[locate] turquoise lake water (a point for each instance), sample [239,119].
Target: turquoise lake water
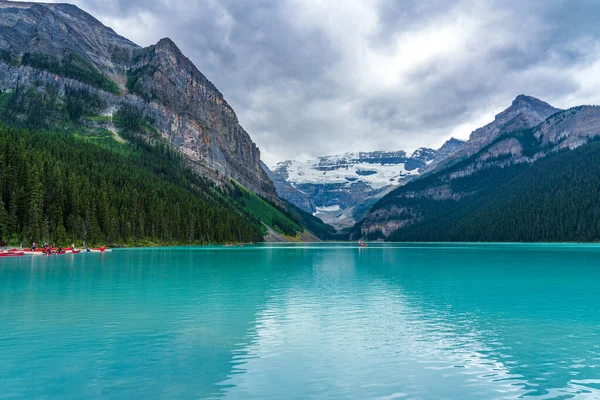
[325,321]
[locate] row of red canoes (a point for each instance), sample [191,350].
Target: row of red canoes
[53,251]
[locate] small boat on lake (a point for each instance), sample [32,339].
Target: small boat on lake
[102,249]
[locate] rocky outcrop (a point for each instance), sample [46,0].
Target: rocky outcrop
[183,105]
[204,126]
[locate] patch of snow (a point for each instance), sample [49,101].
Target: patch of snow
[345,170]
[328,209]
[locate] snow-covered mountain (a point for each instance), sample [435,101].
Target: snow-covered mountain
[339,189]
[377,169]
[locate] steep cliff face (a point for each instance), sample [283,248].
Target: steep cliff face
[506,152]
[183,105]
[206,128]
[340,189]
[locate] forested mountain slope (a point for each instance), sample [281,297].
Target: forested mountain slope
[68,172]
[60,45]
[450,202]
[524,112]
[557,199]
[106,142]
[75,187]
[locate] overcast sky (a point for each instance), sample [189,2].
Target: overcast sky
[317,77]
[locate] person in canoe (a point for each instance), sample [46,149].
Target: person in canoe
[34,246]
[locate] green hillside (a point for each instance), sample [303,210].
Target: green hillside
[267,212]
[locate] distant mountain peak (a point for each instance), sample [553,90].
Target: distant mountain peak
[528,105]
[523,98]
[531,102]
[523,113]
[424,152]
[167,43]
[453,142]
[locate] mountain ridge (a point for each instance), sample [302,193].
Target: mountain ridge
[524,112]
[66,77]
[500,156]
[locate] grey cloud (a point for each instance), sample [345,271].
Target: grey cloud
[313,78]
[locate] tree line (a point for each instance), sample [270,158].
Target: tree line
[58,188]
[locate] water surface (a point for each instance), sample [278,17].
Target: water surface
[326,321]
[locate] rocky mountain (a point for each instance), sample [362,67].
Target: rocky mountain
[339,189]
[58,28]
[496,158]
[524,112]
[63,46]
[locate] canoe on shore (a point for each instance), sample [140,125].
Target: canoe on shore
[53,251]
[12,254]
[41,253]
[42,250]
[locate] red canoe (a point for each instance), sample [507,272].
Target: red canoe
[12,254]
[98,249]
